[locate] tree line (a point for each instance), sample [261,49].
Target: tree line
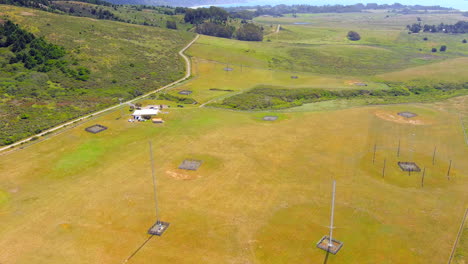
[460,27]
[215,21]
[280,10]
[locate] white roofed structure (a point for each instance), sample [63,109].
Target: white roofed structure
[145,113]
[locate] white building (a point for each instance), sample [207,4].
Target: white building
[144,114]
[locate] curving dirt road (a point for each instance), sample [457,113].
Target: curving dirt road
[187,75]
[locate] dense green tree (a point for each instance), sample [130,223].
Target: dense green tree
[443,48]
[214,29]
[250,32]
[171,24]
[415,28]
[460,27]
[213,14]
[353,35]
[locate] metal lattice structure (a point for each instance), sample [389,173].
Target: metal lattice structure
[327,243]
[159,227]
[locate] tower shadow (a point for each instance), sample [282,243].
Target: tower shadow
[326,258]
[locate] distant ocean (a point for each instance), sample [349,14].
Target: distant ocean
[458,4]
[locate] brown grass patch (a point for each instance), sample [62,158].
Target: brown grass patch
[394,117]
[65,226]
[27,14]
[182,176]
[353,82]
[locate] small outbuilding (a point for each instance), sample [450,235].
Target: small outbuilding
[144,114]
[157,120]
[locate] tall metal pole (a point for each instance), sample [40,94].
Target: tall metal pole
[433,155]
[330,241]
[448,172]
[422,179]
[398,151]
[154,183]
[383,170]
[375,149]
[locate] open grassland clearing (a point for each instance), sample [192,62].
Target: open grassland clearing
[453,70]
[87,198]
[212,81]
[326,50]
[393,21]
[386,54]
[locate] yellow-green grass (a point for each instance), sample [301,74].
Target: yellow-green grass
[454,70]
[341,58]
[262,194]
[211,75]
[375,29]
[363,20]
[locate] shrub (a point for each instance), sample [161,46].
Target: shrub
[171,24]
[443,48]
[353,36]
[434,50]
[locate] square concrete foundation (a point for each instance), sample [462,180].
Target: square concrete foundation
[158,228]
[334,248]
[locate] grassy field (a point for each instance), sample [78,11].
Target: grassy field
[211,75]
[321,47]
[87,198]
[262,194]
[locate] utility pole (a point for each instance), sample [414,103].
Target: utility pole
[398,151]
[375,149]
[327,243]
[383,170]
[330,240]
[448,172]
[154,183]
[160,226]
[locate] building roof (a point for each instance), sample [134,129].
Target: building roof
[145,112]
[152,107]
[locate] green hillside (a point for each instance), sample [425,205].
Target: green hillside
[124,61]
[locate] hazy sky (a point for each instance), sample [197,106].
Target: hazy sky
[459,4]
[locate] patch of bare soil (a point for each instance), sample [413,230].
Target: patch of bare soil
[394,117]
[182,176]
[27,14]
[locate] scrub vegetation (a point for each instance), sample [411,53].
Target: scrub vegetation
[75,65]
